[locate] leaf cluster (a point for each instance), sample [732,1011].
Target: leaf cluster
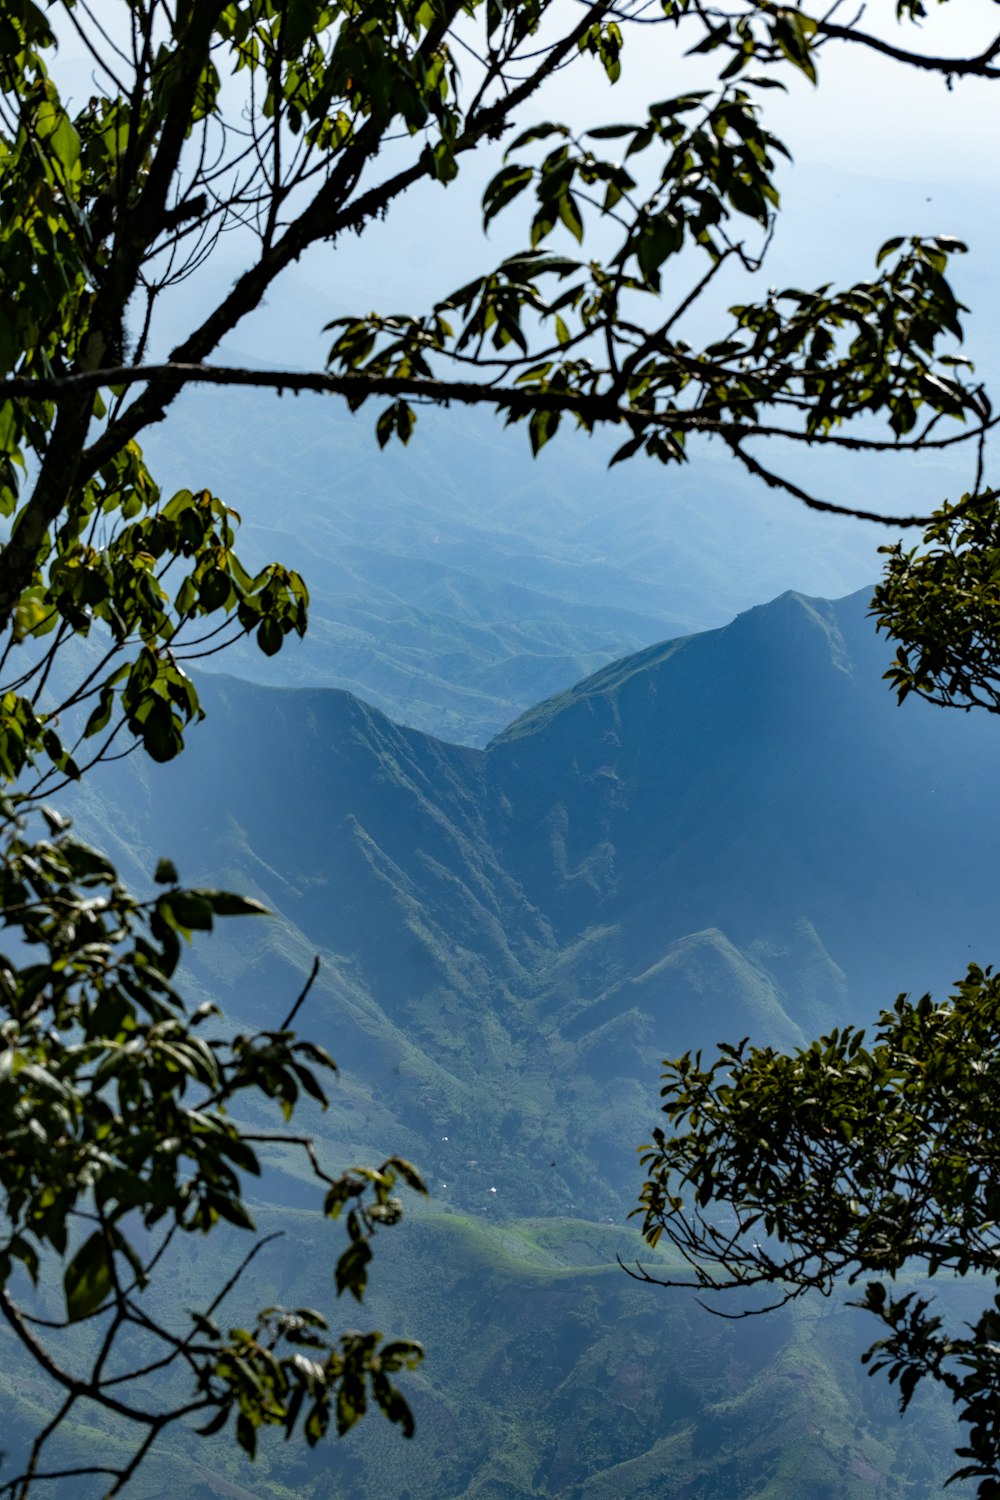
[940,603]
[159,583]
[844,1159]
[315,1381]
[117,1133]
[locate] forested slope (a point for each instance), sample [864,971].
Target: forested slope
[737,832]
[734,833]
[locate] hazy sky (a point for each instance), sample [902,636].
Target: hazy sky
[879,149]
[900,128]
[927,156]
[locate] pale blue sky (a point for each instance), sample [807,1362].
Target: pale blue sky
[879,149]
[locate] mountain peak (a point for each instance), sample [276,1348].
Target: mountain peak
[788,627]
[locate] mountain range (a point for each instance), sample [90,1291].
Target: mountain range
[457,583]
[736,832]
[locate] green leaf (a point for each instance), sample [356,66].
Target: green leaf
[88,1278]
[408,1172]
[503,189]
[187,909]
[537,133]
[542,426]
[611,132]
[246,1434]
[889,248]
[270,636]
[215,1424]
[231,1208]
[627,450]
[226,904]
[352,1269]
[569,213]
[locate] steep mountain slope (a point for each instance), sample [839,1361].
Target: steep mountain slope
[737,832]
[548,1374]
[748,779]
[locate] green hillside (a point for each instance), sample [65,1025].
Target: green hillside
[734,833]
[739,833]
[549,1373]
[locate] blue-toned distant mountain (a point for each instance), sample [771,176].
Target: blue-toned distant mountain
[457,582]
[734,832]
[737,832]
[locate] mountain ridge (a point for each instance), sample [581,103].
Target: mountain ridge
[731,833]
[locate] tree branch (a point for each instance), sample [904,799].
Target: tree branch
[519,401]
[62,1377]
[325,218]
[979,66]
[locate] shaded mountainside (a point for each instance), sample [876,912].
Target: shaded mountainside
[753,778]
[736,832]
